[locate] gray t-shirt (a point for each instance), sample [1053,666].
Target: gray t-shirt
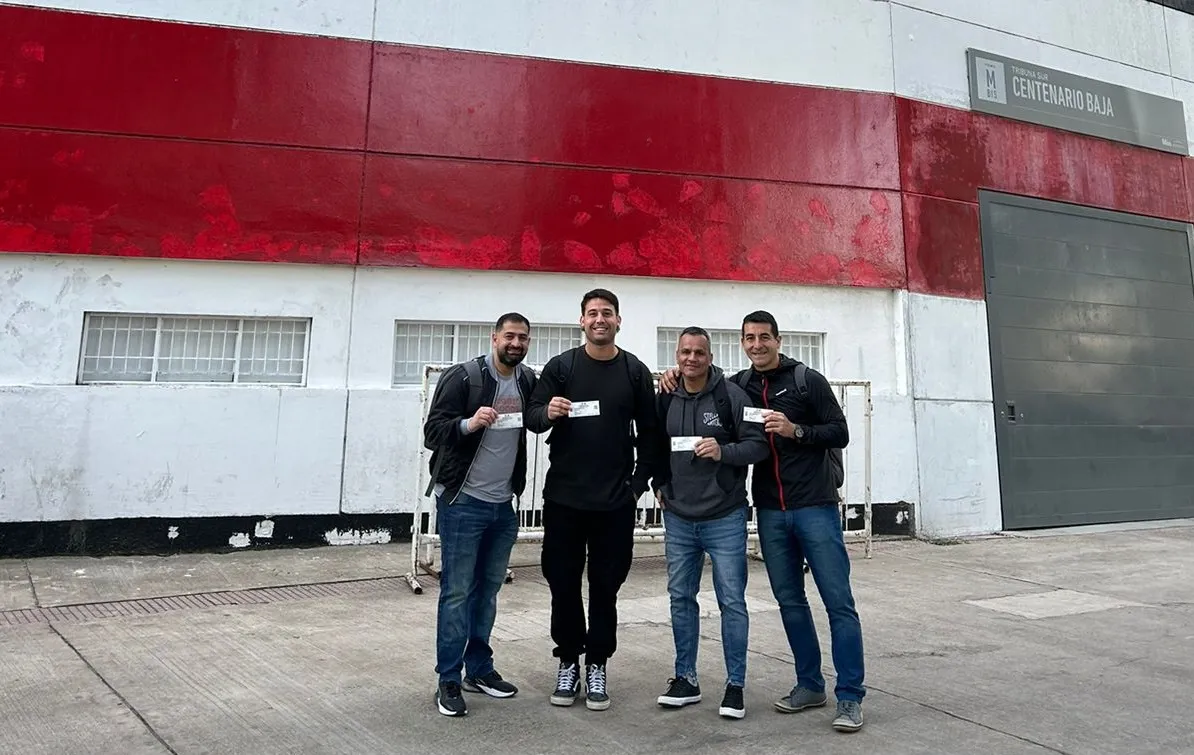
[489,478]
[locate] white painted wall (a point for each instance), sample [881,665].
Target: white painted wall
[383,423]
[955,431]
[327,18]
[70,451]
[1128,42]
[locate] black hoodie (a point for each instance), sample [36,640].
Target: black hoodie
[797,472]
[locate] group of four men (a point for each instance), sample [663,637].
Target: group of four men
[611,439]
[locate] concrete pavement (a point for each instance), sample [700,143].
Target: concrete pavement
[1081,643]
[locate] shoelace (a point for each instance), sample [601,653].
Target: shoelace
[566,678]
[596,680]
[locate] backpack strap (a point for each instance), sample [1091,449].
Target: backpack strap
[476,384]
[836,461]
[725,410]
[742,378]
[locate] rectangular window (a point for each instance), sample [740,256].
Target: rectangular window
[119,348]
[726,346]
[417,344]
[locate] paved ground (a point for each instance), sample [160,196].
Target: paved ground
[1082,643]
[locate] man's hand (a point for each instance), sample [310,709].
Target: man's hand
[669,380]
[776,422]
[484,417]
[708,449]
[659,499]
[558,407]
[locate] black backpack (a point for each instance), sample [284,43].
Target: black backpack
[476,385]
[721,399]
[800,376]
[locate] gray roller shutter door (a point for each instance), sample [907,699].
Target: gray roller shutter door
[1091,322]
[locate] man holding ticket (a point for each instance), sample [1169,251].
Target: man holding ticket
[703,494]
[796,500]
[479,464]
[592,398]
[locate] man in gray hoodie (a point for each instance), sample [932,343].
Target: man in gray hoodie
[703,495]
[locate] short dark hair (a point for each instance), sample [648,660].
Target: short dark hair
[511,317]
[693,330]
[764,317]
[599,293]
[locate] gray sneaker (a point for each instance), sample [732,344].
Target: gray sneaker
[799,699]
[849,716]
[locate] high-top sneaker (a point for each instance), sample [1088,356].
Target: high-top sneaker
[567,684]
[597,698]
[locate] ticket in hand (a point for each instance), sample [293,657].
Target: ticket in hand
[585,409]
[754,414]
[511,421]
[685,443]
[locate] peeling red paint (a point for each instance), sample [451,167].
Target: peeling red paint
[719,233]
[689,190]
[33,51]
[607,183]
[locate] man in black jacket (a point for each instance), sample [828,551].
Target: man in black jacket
[796,500]
[475,427]
[592,398]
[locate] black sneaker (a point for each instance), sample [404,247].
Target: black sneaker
[680,692]
[567,684]
[732,705]
[597,698]
[449,700]
[491,684]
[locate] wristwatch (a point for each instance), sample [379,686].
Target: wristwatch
[798,432]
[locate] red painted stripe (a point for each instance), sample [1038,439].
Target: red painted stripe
[131,196]
[441,213]
[442,102]
[943,247]
[952,153]
[491,162]
[119,75]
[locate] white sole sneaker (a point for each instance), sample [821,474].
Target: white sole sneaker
[563,701]
[477,687]
[731,712]
[677,702]
[594,705]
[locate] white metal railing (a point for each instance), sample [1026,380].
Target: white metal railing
[853,395]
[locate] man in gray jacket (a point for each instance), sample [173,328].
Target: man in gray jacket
[703,495]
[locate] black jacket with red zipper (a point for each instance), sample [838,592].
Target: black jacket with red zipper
[796,472]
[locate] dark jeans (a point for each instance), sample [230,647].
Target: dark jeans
[475,542]
[609,538]
[814,534]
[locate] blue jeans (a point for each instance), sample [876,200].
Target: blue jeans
[475,542]
[814,534]
[685,544]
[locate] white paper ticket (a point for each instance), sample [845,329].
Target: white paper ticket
[754,414]
[685,443]
[585,409]
[510,421]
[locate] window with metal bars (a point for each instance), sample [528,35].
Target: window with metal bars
[726,346]
[124,348]
[417,344]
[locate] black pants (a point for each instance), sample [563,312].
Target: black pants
[608,537]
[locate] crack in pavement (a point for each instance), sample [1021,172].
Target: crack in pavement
[120,697]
